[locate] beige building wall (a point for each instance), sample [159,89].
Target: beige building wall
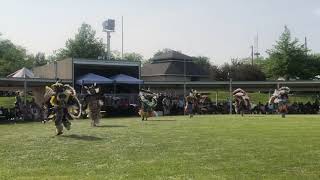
[61,69]
[46,71]
[65,69]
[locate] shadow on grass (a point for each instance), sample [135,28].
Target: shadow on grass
[5,122]
[82,137]
[162,120]
[111,126]
[15,122]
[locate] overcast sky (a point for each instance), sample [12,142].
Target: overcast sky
[221,30]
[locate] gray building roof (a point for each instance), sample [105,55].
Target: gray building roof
[172,64]
[171,55]
[172,68]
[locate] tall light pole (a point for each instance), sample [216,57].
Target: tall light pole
[256,47]
[108,27]
[25,90]
[122,37]
[108,45]
[252,53]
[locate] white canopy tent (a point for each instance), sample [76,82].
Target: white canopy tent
[23,73]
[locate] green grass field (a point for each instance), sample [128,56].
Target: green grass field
[7,102]
[205,147]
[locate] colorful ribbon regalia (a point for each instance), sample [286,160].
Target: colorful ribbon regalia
[191,102]
[64,105]
[148,103]
[94,103]
[280,100]
[242,101]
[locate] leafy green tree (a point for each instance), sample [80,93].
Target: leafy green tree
[133,57]
[202,60]
[214,73]
[241,71]
[311,67]
[85,44]
[287,58]
[59,54]
[207,66]
[12,58]
[39,59]
[116,56]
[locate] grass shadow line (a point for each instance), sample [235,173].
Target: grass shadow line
[82,137]
[162,120]
[111,126]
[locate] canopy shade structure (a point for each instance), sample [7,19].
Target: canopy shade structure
[25,74]
[22,73]
[125,79]
[93,78]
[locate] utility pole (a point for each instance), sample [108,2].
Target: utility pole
[306,43]
[122,37]
[256,46]
[252,55]
[184,84]
[230,91]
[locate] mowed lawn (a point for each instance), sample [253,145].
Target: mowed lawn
[205,147]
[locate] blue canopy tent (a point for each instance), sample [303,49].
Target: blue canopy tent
[125,79]
[93,78]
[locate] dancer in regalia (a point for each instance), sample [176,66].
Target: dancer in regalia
[65,105]
[280,100]
[191,103]
[242,101]
[93,103]
[148,103]
[166,105]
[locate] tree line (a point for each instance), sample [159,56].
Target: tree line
[14,57]
[288,58]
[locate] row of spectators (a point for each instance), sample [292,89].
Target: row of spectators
[29,111]
[7,113]
[206,106]
[294,108]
